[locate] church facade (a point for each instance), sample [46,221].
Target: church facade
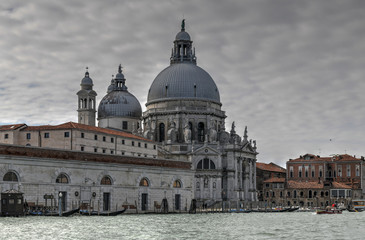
[178,149]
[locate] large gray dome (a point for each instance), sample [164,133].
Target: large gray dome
[119,104]
[183,81]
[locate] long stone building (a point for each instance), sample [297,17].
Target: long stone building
[177,150]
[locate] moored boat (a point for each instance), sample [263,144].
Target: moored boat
[96,213]
[53,214]
[328,211]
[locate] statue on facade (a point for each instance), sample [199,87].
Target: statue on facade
[187,133]
[171,133]
[212,132]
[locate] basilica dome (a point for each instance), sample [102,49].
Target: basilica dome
[183,81]
[119,102]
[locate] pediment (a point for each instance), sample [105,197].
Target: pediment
[206,150]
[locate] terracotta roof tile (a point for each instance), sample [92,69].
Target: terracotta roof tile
[340,185]
[73,125]
[335,158]
[11,127]
[275,180]
[304,185]
[272,167]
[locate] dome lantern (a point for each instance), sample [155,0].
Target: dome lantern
[183,51]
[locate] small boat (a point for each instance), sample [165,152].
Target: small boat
[53,214]
[328,211]
[96,213]
[240,211]
[293,209]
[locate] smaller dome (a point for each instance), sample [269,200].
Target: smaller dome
[182,36]
[87,80]
[119,104]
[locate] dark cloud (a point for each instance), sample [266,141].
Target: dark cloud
[292,71]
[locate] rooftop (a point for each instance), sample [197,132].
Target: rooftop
[317,158]
[73,125]
[28,152]
[271,167]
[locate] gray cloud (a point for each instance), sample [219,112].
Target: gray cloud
[290,70]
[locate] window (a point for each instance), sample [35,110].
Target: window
[139,154]
[123,142]
[125,125]
[306,171]
[295,194]
[273,194]
[111,140]
[154,146]
[300,172]
[161,132]
[312,172]
[177,184]
[201,134]
[82,135]
[348,170]
[291,172]
[104,138]
[106,181]
[267,185]
[95,137]
[10,177]
[46,135]
[197,185]
[145,145]
[357,170]
[132,143]
[123,153]
[28,136]
[320,171]
[67,134]
[82,148]
[145,155]
[62,178]
[111,151]
[288,194]
[104,150]
[206,163]
[144,182]
[6,136]
[95,150]
[139,144]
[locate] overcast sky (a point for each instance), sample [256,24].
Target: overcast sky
[293,71]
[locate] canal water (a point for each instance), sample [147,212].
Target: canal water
[189,226]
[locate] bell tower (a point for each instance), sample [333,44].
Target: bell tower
[86,99]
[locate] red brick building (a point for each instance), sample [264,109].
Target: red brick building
[266,171]
[319,181]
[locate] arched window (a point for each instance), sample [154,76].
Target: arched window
[310,194]
[10,177]
[201,133]
[206,163]
[106,181]
[62,178]
[177,184]
[161,132]
[144,182]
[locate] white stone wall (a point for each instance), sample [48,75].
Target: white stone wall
[37,177]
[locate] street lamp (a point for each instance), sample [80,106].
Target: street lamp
[60,204]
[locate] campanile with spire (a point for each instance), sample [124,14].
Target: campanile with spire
[86,101]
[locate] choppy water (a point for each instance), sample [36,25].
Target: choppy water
[186,226]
